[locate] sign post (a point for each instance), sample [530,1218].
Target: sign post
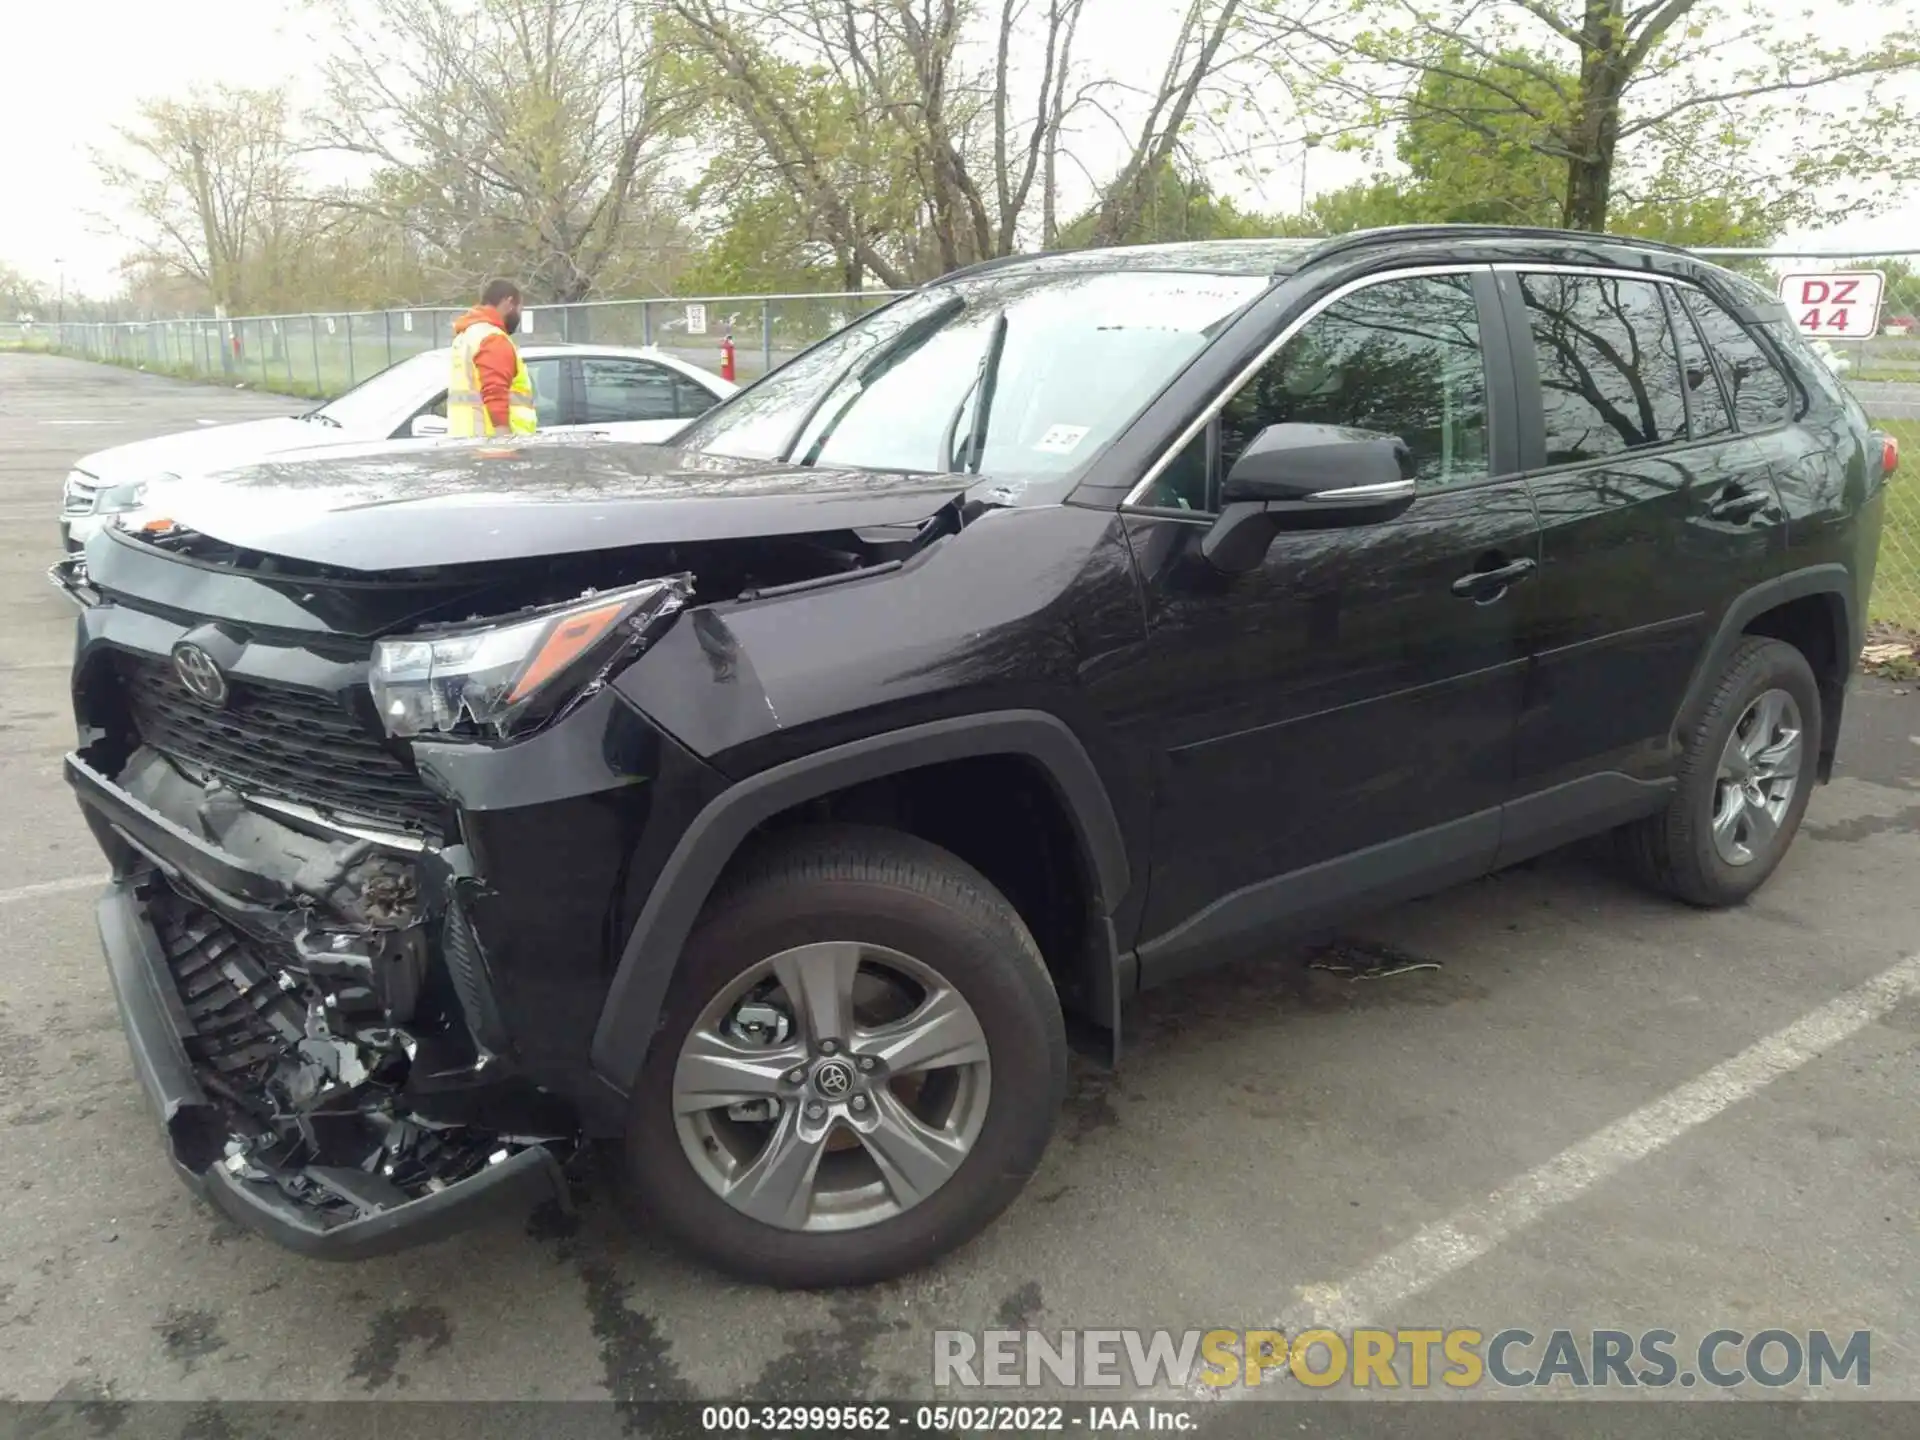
[1834,304]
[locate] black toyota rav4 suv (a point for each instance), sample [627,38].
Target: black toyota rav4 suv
[775,804]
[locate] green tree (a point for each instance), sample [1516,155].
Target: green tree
[1718,97]
[766,246]
[1466,163]
[20,296]
[1176,206]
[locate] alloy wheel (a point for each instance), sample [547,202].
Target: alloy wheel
[1758,774]
[831,1087]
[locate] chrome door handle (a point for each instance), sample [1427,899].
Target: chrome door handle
[1485,584]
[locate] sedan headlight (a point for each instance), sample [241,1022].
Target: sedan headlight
[114,499]
[505,676]
[78,494]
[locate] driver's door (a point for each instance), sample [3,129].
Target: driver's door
[1336,727]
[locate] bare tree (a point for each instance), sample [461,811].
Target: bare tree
[512,136]
[1199,54]
[913,157]
[213,180]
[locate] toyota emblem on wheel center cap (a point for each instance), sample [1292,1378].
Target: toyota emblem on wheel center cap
[833,1079]
[199,674]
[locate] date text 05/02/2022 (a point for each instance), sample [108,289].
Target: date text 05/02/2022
[1093,1419]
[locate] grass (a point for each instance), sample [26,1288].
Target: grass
[1896,584]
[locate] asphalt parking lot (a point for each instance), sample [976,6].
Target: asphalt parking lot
[1281,1144]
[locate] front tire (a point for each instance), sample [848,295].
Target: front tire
[1746,774]
[858,1064]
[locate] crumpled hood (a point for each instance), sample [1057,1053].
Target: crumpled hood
[451,502]
[196,451]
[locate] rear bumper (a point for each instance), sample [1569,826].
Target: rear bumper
[152,1016]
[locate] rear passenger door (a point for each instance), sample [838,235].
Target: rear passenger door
[637,399]
[1655,512]
[1819,461]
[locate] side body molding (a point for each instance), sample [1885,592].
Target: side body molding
[647,962]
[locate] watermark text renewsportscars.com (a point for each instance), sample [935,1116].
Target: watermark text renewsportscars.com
[1407,1358]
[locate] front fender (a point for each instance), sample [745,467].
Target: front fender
[652,950]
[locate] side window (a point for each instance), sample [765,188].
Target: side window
[616,390]
[1609,372]
[1183,484]
[545,377]
[1760,393]
[692,398]
[1401,357]
[1816,375]
[1706,405]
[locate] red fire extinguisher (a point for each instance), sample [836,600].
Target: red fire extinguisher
[726,357]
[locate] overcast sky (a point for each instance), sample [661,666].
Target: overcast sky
[80,68]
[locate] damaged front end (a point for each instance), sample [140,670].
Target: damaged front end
[377,834]
[308,1009]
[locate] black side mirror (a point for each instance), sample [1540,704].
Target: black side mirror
[1306,477]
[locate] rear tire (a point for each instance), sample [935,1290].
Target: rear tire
[926,933]
[1737,808]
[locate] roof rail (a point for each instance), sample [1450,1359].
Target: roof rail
[1359,239]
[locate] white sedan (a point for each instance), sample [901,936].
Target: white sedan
[625,394]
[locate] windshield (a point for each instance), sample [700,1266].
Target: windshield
[383,400]
[1017,374]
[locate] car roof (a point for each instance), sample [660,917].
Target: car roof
[553,348]
[1277,257]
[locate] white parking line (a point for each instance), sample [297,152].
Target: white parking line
[51,887]
[1428,1257]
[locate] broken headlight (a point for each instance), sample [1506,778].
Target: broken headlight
[504,675]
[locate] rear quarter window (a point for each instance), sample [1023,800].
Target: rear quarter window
[1761,394]
[1813,372]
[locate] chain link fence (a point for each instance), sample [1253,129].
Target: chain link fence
[324,353]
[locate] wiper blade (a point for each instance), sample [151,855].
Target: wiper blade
[323,418]
[864,372]
[989,381]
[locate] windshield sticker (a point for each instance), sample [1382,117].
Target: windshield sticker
[1061,439]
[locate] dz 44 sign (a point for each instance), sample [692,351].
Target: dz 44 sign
[1834,304]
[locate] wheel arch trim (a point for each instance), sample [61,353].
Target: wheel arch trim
[651,953]
[1834,581]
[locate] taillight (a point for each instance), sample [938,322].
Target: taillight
[1890,456]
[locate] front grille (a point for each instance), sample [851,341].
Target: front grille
[292,744]
[242,1022]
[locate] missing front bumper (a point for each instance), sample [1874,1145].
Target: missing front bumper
[275,1035]
[157,1028]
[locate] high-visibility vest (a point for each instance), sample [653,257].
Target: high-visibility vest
[466,412]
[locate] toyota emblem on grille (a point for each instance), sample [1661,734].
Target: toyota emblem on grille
[199,674]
